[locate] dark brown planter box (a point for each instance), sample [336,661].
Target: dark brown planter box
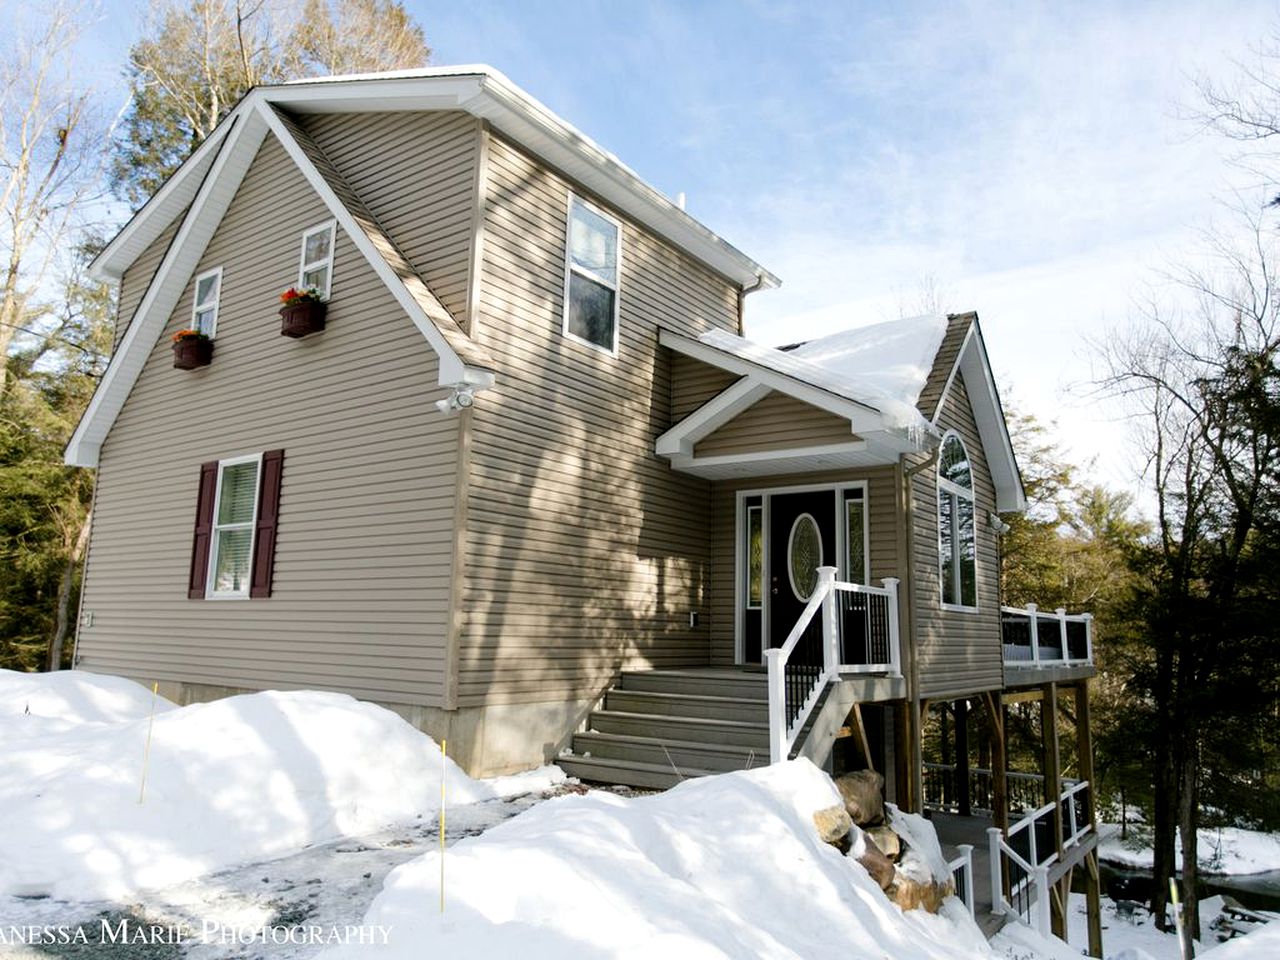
[300,319]
[191,353]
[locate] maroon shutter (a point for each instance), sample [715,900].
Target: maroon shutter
[264,531]
[204,530]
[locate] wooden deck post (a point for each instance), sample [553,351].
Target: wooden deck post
[1053,788]
[963,800]
[999,762]
[1084,754]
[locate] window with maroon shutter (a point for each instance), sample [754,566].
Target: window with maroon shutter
[264,532]
[233,550]
[204,529]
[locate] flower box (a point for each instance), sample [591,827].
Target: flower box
[302,317]
[191,350]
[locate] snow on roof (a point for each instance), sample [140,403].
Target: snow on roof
[881,365]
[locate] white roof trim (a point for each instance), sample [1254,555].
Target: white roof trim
[486,93]
[245,134]
[862,418]
[972,362]
[247,128]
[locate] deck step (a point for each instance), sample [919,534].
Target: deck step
[684,755]
[626,772]
[739,684]
[685,729]
[688,705]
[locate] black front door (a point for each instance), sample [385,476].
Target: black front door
[802,537]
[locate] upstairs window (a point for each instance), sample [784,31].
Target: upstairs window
[316,268]
[204,307]
[591,277]
[957,541]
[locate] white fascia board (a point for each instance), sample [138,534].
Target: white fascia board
[452,371]
[765,456]
[994,431]
[862,418]
[210,203]
[717,411]
[487,94]
[151,219]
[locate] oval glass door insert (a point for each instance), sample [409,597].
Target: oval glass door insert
[804,556]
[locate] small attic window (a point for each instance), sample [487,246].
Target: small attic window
[591,276]
[315,270]
[204,306]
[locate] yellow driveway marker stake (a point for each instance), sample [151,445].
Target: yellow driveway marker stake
[443,755]
[146,754]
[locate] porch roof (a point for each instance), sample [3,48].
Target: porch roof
[882,426]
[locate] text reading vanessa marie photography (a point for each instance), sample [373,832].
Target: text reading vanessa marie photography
[124,930]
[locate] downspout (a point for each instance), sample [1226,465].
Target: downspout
[913,674]
[743,291]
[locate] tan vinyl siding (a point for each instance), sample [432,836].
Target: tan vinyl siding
[958,651]
[134,282]
[948,352]
[415,172]
[882,525]
[585,551]
[363,564]
[693,383]
[776,422]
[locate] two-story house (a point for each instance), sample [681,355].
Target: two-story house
[523,480]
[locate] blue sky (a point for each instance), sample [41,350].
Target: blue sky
[1034,160]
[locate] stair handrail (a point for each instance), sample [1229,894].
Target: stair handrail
[781,734]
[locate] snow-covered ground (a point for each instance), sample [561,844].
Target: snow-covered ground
[295,825]
[1225,851]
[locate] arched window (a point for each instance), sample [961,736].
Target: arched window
[957,543]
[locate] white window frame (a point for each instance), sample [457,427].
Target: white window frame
[217,300]
[954,490]
[215,527]
[570,270]
[304,265]
[861,501]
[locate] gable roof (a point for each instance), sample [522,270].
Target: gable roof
[461,360]
[483,92]
[875,375]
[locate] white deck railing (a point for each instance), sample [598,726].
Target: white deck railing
[1028,897]
[962,875]
[857,633]
[1034,638]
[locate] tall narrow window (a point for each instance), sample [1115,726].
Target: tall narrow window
[591,276]
[755,558]
[855,535]
[233,520]
[204,307]
[957,542]
[315,271]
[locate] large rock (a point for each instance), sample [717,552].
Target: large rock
[890,843]
[834,825]
[877,864]
[862,792]
[912,894]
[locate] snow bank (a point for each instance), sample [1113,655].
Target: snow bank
[727,866]
[1225,852]
[1263,944]
[34,704]
[241,779]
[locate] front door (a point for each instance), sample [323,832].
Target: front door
[802,537]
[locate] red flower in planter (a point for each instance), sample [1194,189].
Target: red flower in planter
[294,295]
